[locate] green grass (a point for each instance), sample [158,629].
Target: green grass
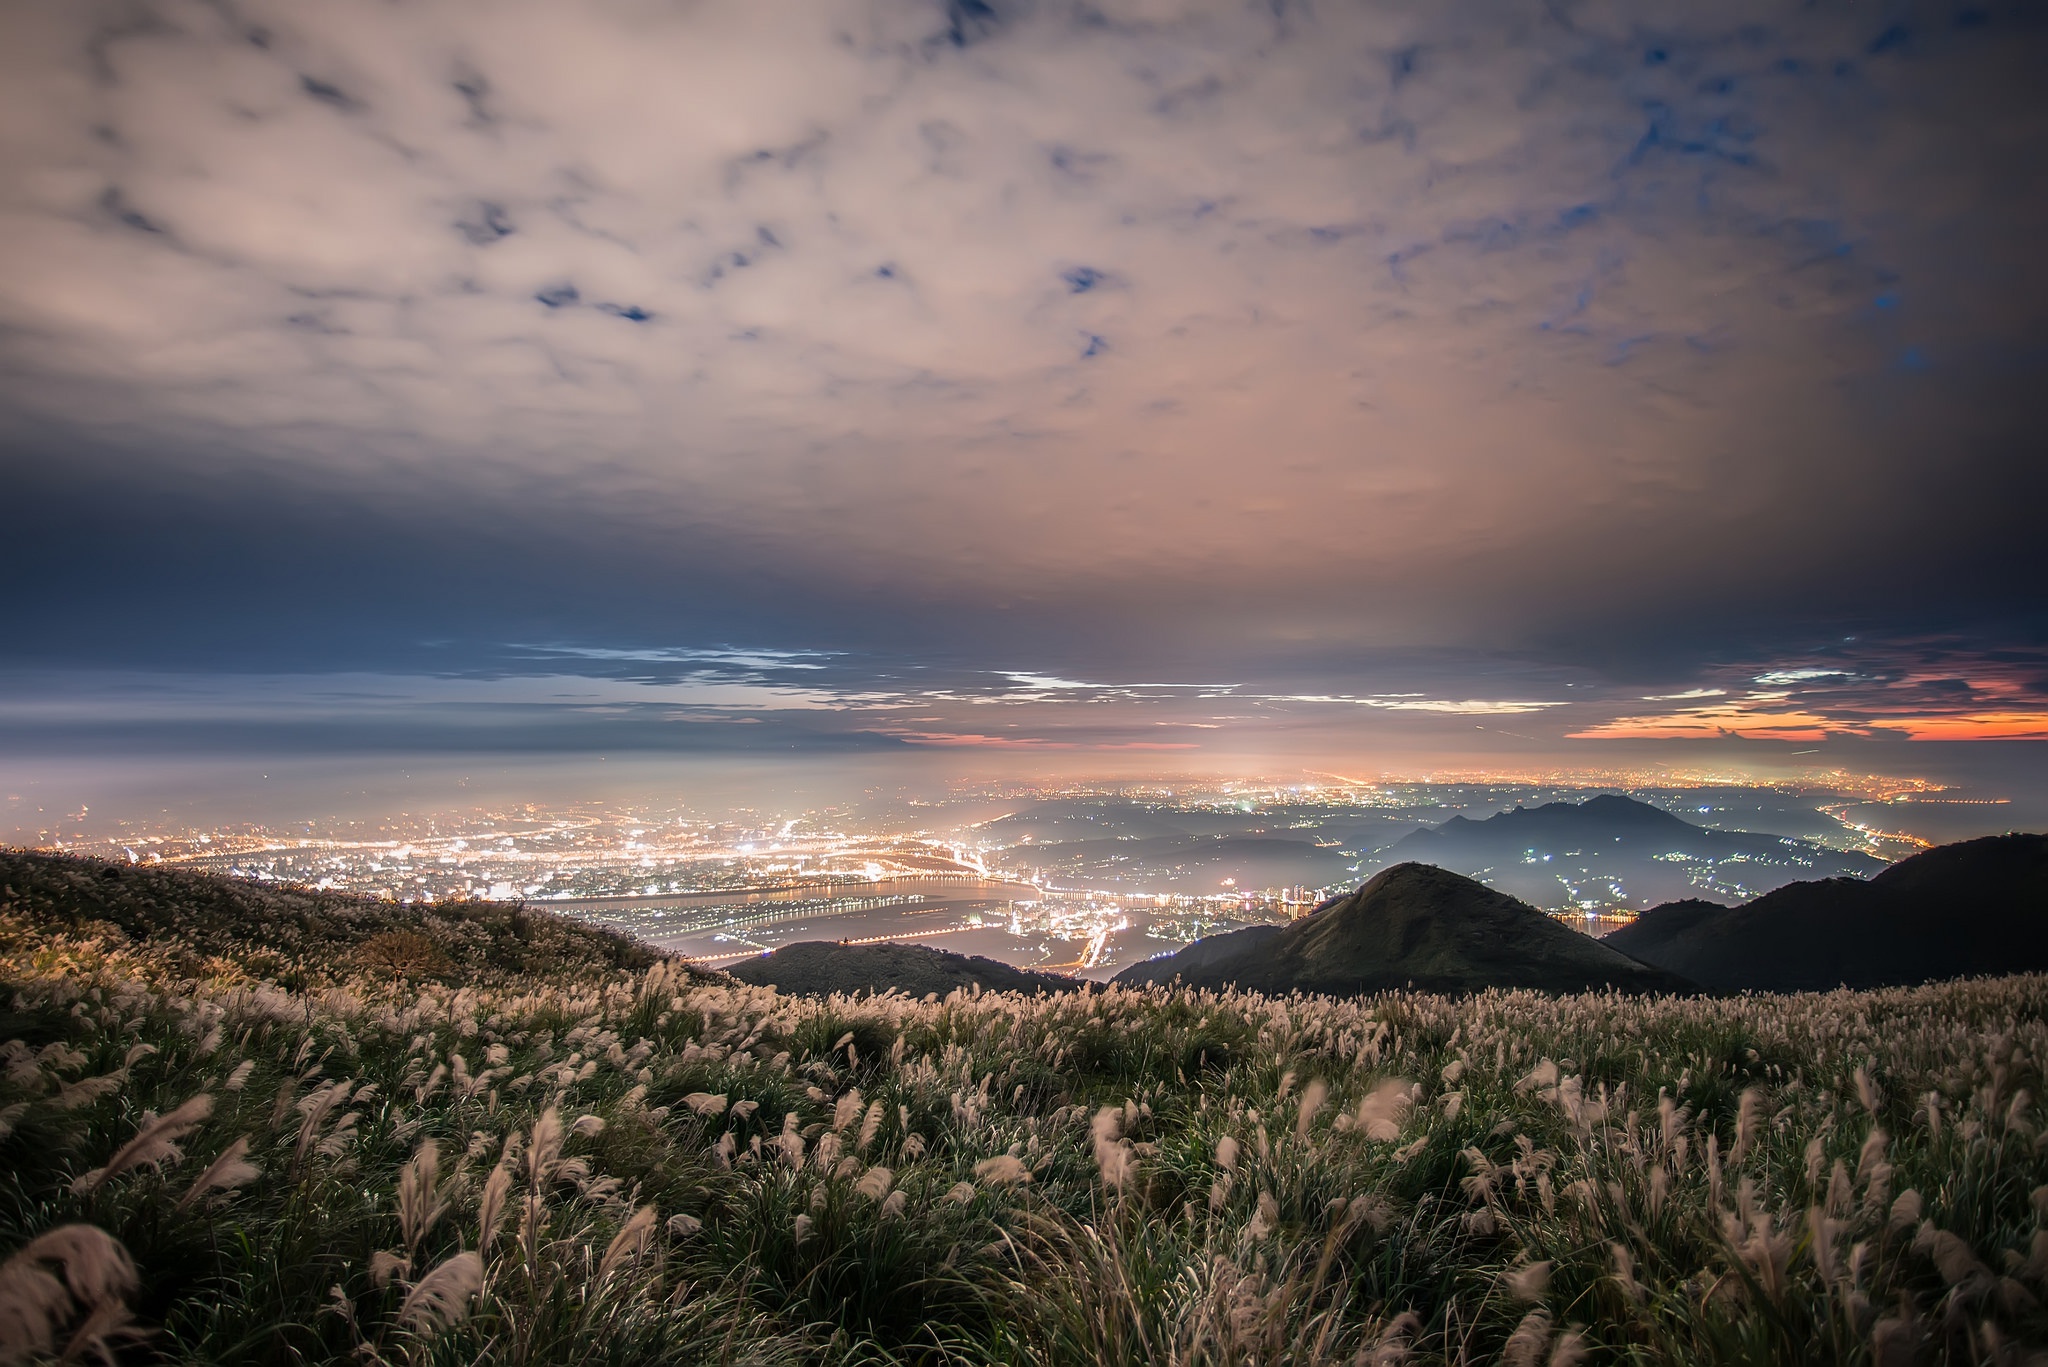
[1895,1219]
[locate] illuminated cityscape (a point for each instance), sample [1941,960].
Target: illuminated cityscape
[1081,878]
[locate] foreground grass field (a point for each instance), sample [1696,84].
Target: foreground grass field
[639,1166]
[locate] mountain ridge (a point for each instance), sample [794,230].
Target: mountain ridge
[1411,925]
[1976,906]
[1612,850]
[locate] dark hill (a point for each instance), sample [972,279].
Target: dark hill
[183,923]
[1976,907]
[1605,815]
[1411,925]
[820,967]
[1615,851]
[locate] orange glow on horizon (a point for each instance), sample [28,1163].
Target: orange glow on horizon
[1735,721]
[1972,726]
[1717,723]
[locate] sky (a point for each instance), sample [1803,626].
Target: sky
[1143,382]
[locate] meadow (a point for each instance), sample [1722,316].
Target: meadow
[589,1164]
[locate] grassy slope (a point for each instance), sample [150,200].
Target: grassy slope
[176,924]
[862,1208]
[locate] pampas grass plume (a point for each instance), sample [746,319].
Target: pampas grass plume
[1001,1171]
[97,1276]
[629,1243]
[1529,1281]
[441,1298]
[154,1145]
[230,1170]
[491,1207]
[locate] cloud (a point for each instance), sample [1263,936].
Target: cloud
[1142,339]
[755,659]
[1926,688]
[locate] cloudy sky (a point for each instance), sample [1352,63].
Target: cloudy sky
[1139,375]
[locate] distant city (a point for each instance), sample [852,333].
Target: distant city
[1077,878]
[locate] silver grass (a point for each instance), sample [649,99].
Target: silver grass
[421,1203]
[1381,1112]
[1951,1254]
[791,1142]
[1390,1345]
[441,1299]
[629,1243]
[1841,1192]
[491,1207]
[1526,1347]
[1872,1153]
[1002,1170]
[1745,1122]
[1816,1159]
[1226,1153]
[384,1265]
[33,1306]
[1528,1282]
[225,1173]
[1112,1154]
[95,1334]
[1625,1273]
[1895,1340]
[154,1145]
[1570,1349]
[74,1096]
[544,1148]
[1312,1098]
[94,1276]
[314,1109]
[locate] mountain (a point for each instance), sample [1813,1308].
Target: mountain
[1976,907]
[1615,851]
[1414,925]
[820,967]
[168,922]
[1191,863]
[1068,820]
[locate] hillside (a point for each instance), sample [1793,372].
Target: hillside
[1980,906]
[1412,925]
[649,1167]
[168,922]
[820,967]
[1615,851]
